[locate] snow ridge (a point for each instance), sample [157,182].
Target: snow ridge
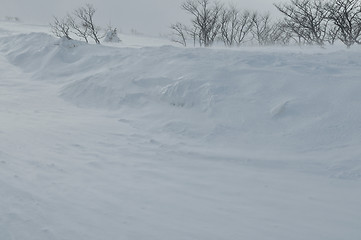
[116,142]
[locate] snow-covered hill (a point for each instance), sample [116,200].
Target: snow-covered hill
[160,142]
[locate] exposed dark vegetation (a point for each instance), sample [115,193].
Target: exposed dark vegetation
[79,23]
[304,22]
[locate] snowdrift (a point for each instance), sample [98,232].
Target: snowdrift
[117,142]
[291,99]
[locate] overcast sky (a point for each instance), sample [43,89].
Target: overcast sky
[146,16]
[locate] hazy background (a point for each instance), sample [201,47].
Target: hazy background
[151,17]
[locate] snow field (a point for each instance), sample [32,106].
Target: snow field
[104,142]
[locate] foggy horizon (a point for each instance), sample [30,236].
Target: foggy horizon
[151,17]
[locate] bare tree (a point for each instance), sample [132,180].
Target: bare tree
[61,27]
[86,16]
[262,29]
[333,33]
[179,33]
[244,27]
[205,19]
[307,19]
[280,34]
[229,22]
[81,30]
[346,16]
[234,26]
[79,23]
[193,32]
[212,21]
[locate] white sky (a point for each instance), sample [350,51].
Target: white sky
[146,16]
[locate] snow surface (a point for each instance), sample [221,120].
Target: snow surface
[160,142]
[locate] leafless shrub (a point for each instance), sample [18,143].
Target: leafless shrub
[12,19]
[111,35]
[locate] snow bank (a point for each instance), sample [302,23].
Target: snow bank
[307,101]
[280,100]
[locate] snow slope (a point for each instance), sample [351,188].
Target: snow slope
[122,142]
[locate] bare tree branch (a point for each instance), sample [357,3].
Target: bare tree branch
[61,27]
[79,30]
[307,19]
[86,16]
[179,33]
[205,19]
[234,26]
[346,16]
[262,28]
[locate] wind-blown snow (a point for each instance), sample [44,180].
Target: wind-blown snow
[117,142]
